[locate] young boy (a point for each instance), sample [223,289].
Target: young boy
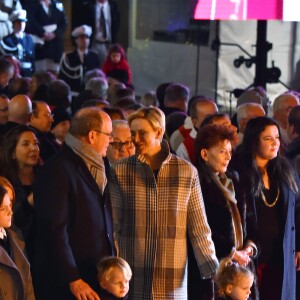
[15,277]
[114,274]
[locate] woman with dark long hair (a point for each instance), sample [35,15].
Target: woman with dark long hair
[19,157]
[270,188]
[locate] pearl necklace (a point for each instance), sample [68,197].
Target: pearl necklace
[265,200]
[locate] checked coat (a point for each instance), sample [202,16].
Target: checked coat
[152,217]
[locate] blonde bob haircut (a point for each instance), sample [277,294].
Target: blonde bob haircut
[153,115]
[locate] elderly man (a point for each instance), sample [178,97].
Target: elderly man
[199,110]
[246,112]
[281,107]
[74,226]
[41,121]
[122,146]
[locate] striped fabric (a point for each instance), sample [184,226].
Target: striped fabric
[152,219]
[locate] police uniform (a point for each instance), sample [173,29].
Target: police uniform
[74,65]
[20,45]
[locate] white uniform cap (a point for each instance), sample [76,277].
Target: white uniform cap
[82,30]
[18,15]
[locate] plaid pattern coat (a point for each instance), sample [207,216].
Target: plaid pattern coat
[152,218]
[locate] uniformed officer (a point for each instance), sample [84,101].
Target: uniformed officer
[19,43]
[74,65]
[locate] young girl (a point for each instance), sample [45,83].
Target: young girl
[116,65]
[234,281]
[15,277]
[114,274]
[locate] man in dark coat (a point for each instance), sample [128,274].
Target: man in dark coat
[47,21]
[75,64]
[104,18]
[74,227]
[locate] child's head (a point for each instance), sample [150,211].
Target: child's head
[234,280]
[5,208]
[114,274]
[116,53]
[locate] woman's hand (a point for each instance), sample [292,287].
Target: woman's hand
[241,257]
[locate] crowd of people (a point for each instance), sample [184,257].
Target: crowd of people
[107,196]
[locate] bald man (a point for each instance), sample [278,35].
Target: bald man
[19,111]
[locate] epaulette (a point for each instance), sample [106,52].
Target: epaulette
[68,71]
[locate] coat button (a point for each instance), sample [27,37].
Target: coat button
[293,228]
[294,251]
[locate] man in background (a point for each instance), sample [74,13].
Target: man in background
[104,18]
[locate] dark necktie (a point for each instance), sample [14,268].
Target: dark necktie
[103,24]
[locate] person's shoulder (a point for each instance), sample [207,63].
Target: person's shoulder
[15,236]
[8,37]
[126,161]
[175,159]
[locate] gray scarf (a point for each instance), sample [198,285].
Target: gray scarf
[92,159]
[226,186]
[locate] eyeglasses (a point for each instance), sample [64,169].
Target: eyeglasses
[119,145]
[110,136]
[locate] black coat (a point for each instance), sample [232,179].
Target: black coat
[37,18]
[86,14]
[220,222]
[290,228]
[75,78]
[74,228]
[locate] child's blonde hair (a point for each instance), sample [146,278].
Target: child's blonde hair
[229,272]
[109,263]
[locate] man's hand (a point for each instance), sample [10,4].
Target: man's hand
[241,257]
[82,291]
[49,36]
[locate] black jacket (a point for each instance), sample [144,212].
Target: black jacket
[74,227]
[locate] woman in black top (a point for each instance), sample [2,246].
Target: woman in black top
[270,188]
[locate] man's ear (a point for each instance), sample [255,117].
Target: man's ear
[91,137]
[203,154]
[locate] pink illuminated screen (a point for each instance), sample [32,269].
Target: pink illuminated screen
[246,10]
